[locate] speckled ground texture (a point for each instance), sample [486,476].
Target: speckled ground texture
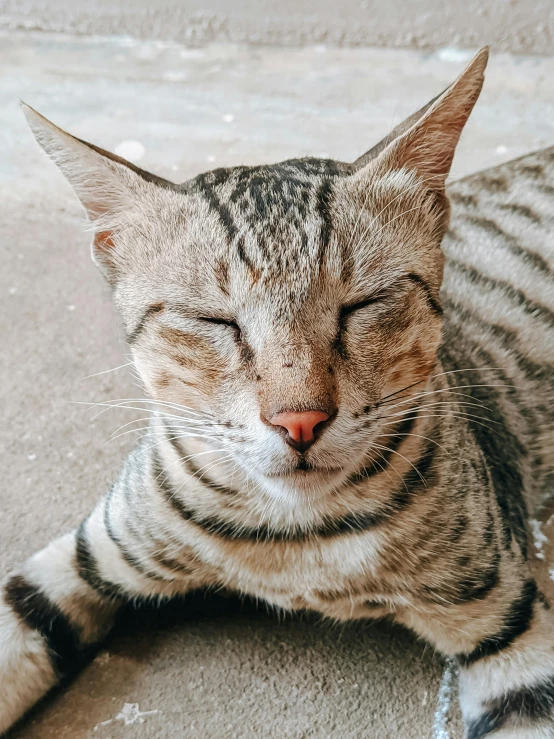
[204,669]
[510,25]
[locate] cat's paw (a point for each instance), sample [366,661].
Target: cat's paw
[26,672]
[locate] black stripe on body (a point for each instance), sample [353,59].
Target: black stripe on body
[478,585]
[413,483]
[477,574]
[546,189]
[433,303]
[516,622]
[171,564]
[207,480]
[129,558]
[543,599]
[243,256]
[507,338]
[530,306]
[495,231]
[512,397]
[39,614]
[475,585]
[398,436]
[532,705]
[523,211]
[88,570]
[504,451]
[466,200]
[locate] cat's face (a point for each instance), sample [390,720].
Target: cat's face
[309,293]
[304,287]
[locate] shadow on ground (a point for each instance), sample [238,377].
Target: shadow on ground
[209,666]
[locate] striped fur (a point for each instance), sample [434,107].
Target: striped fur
[316,284]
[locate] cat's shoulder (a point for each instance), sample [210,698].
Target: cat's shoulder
[532,172]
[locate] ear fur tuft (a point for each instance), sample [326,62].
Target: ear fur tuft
[107,185]
[427,140]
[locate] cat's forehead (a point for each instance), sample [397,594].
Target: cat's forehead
[287,234]
[241,179]
[269,194]
[269,219]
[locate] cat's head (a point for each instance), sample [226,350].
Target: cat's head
[280,303]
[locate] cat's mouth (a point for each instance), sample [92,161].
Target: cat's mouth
[305,469]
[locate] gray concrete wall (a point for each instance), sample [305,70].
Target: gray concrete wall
[511,25]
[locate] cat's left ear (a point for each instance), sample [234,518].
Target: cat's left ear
[426,141]
[109,187]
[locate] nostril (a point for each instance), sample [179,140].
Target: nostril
[300,426]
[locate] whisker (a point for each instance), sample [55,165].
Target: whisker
[206,467]
[393,451]
[153,411]
[104,372]
[447,409]
[384,468]
[186,423]
[453,391]
[469,369]
[403,389]
[443,415]
[184,459]
[442,374]
[419,436]
[124,403]
[422,406]
[183,435]
[438,406]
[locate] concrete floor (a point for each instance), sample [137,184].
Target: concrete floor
[179,111]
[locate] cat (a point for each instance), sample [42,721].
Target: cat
[351,406]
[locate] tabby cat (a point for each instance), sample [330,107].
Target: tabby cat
[345,417]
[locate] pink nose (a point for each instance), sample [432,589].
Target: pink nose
[299,425]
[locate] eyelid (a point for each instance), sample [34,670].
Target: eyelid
[222,321]
[188,313]
[348,309]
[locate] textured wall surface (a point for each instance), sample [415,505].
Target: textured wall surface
[511,25]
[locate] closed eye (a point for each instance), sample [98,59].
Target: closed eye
[346,310]
[221,322]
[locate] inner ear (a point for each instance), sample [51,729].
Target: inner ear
[396,132]
[426,141]
[110,188]
[103,247]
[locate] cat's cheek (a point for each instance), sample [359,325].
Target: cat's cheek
[165,379]
[412,364]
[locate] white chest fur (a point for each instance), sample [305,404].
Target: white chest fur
[335,576]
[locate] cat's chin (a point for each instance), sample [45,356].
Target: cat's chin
[302,480]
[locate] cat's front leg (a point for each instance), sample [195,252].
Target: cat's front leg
[504,645]
[507,680]
[62,603]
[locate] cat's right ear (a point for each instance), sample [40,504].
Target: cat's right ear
[426,141]
[109,187]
